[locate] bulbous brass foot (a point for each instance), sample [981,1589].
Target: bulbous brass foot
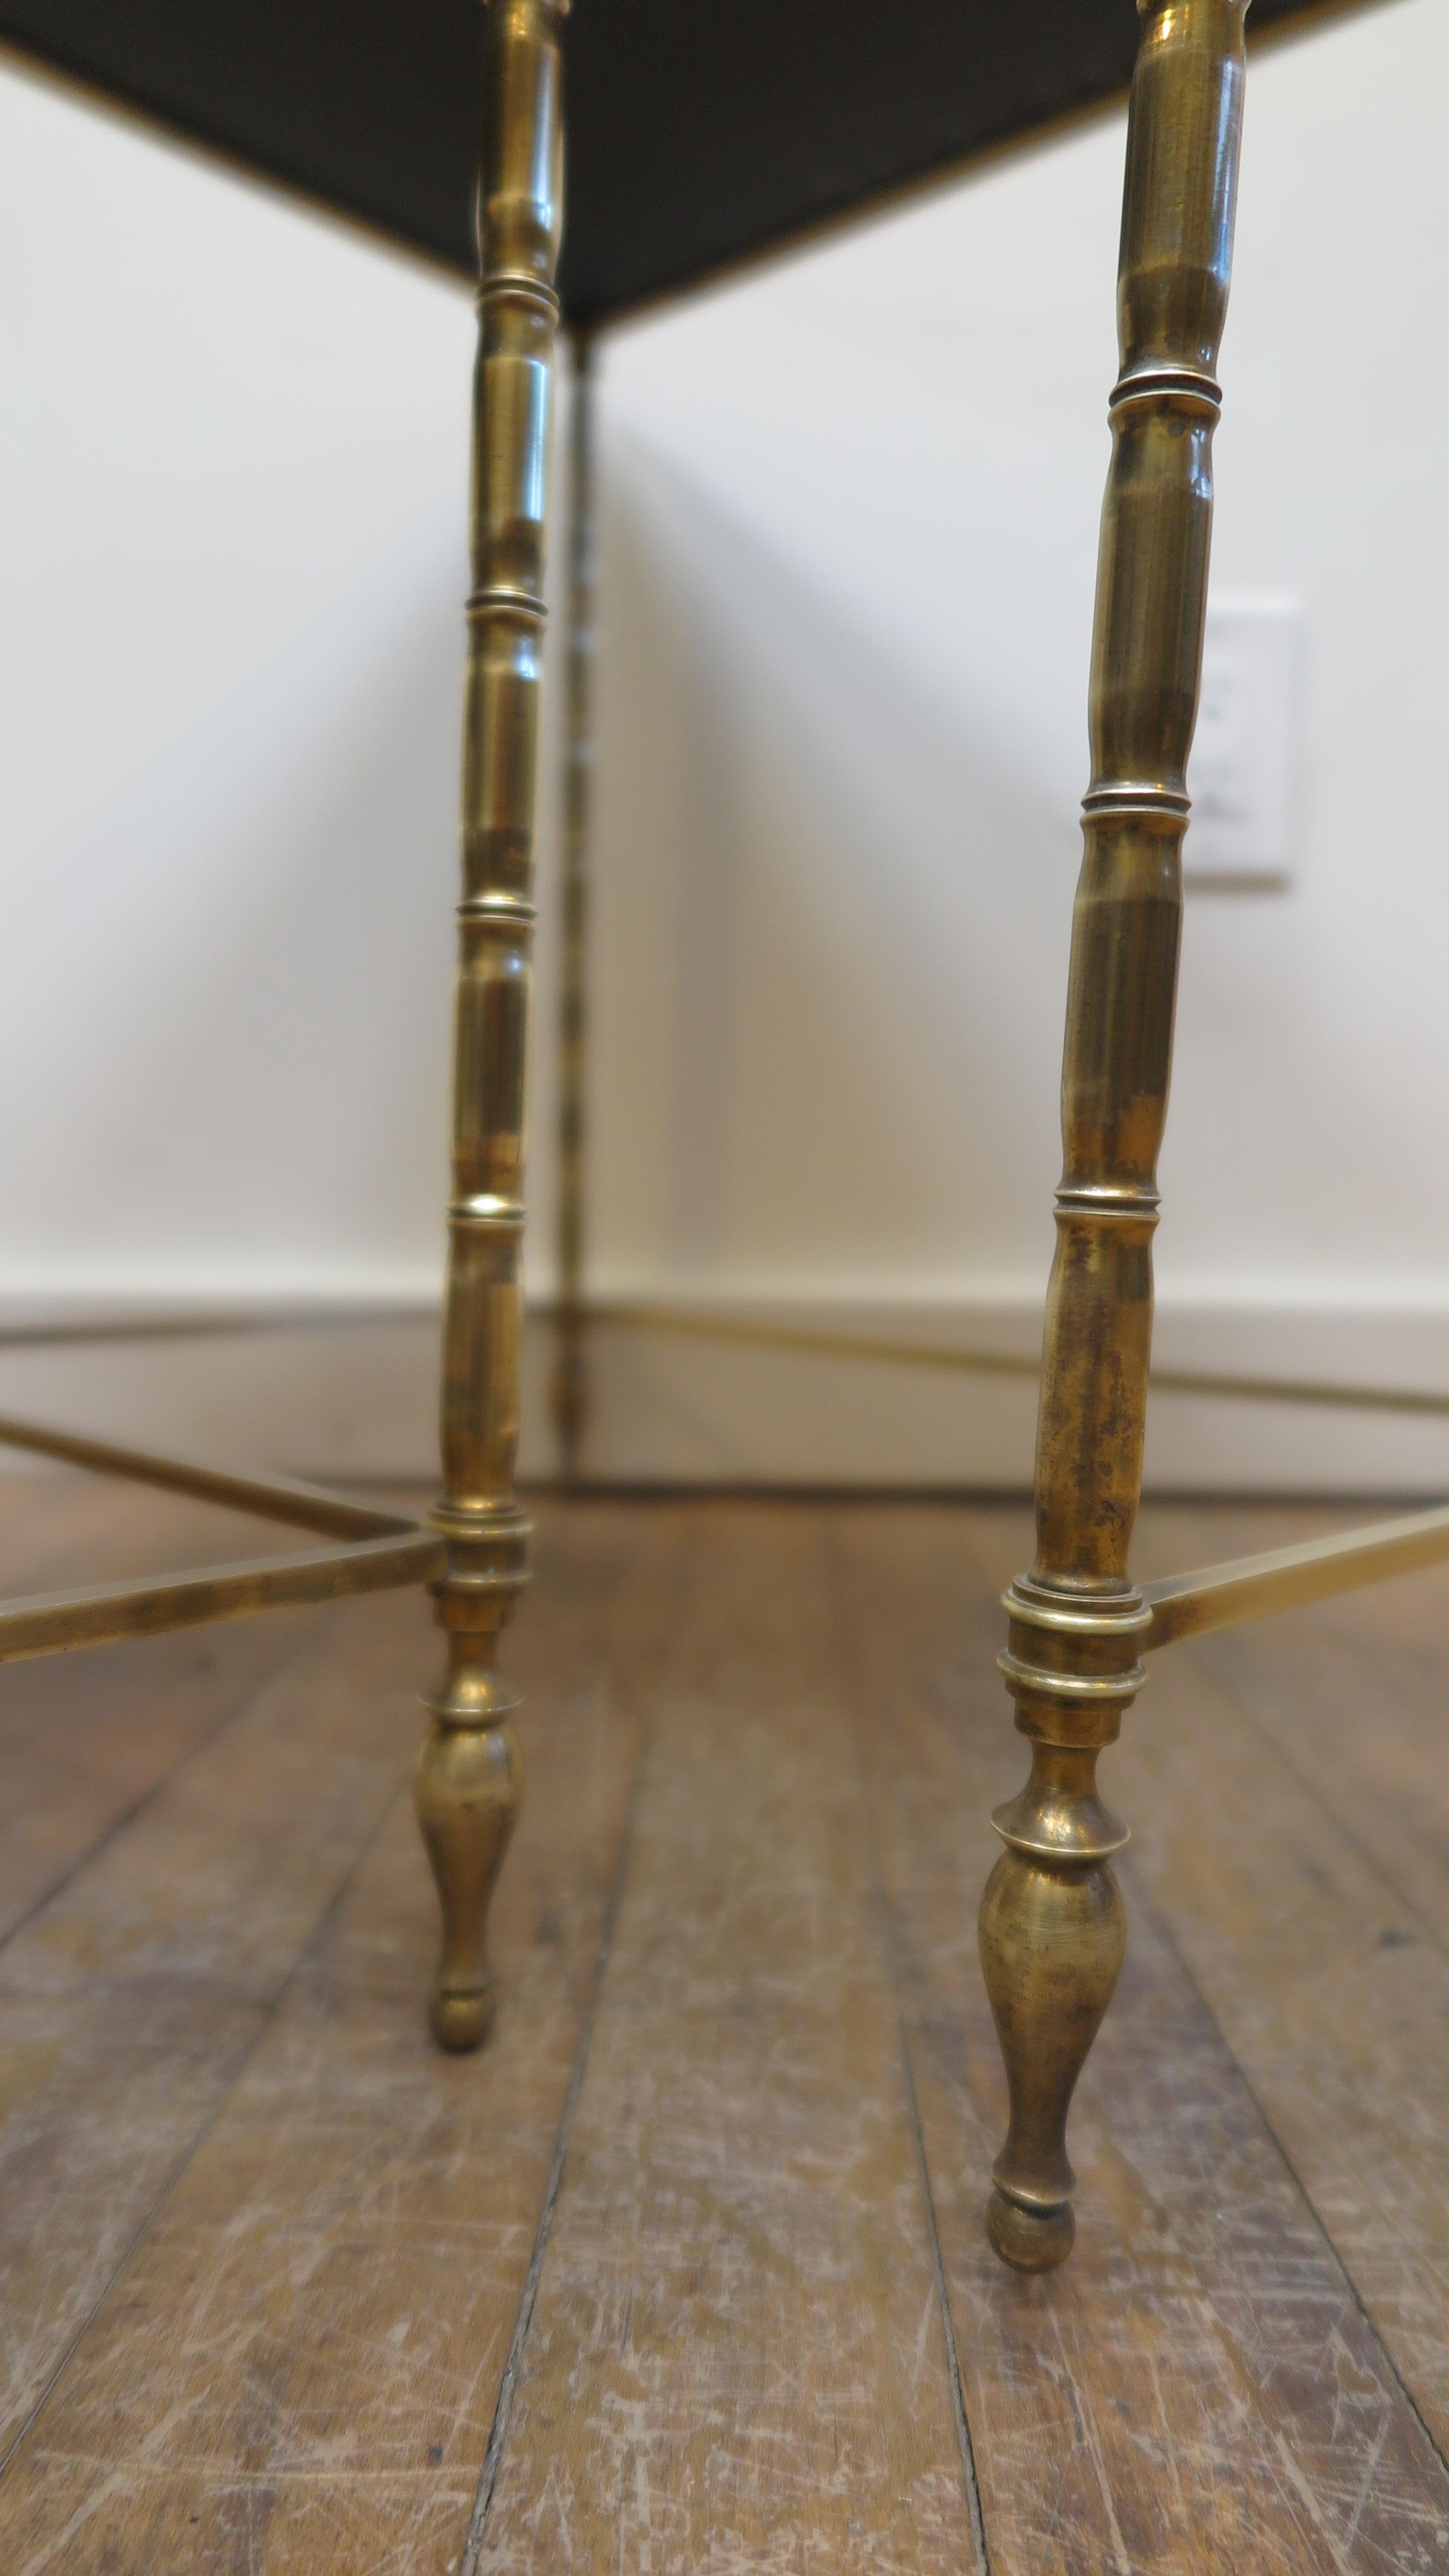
[463,2022]
[467,1788]
[1030,2240]
[1052,1939]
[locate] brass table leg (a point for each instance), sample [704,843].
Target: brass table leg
[1051,1917]
[468,1777]
[570,1376]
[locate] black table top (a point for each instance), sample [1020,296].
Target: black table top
[701,132]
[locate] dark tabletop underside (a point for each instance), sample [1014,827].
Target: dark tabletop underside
[701,132]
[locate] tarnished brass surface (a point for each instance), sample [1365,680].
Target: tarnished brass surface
[1286,1578]
[467,1792]
[570,1375]
[52,1623]
[1051,1937]
[380,1550]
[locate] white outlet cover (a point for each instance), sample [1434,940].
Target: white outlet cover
[1245,773]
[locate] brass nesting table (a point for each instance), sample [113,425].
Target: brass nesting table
[1079,1627]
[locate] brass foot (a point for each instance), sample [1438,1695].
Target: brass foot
[460,2023]
[1030,2240]
[467,1789]
[1052,1939]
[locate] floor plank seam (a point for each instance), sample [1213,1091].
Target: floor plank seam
[508,2384]
[267,2017]
[890,1952]
[1336,2261]
[121,1824]
[938,2262]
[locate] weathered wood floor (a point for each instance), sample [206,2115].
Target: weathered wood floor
[687,2273]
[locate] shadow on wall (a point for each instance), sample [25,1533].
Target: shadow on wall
[824,1038]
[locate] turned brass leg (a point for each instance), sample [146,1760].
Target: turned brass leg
[1051,1919]
[468,1771]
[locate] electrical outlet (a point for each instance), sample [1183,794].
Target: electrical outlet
[1245,773]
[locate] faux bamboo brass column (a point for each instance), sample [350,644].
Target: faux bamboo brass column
[1051,1917]
[570,1377]
[468,1776]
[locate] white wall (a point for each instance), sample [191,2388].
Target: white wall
[235,451]
[851,511]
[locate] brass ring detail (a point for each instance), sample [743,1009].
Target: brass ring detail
[487,1215]
[509,911]
[1080,1856]
[1130,1620]
[515,286]
[1191,388]
[1109,1206]
[1044,1684]
[499,600]
[1114,795]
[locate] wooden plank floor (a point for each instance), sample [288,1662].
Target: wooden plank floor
[687,2273]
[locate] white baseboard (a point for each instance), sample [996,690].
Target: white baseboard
[354,1395]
